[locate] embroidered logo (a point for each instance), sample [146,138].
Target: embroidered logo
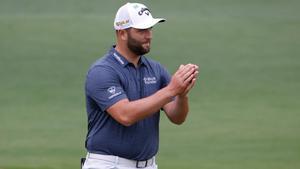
[112,91]
[121,23]
[144,10]
[150,80]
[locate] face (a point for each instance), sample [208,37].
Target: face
[139,40]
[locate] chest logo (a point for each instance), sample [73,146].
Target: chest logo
[150,80]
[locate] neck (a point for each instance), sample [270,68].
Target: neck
[128,54]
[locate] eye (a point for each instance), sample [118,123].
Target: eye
[146,30]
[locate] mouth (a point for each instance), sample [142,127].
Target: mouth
[147,44]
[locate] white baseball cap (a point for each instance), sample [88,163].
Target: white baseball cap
[135,15]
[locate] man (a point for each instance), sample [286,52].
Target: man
[125,92]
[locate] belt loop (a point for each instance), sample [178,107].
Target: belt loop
[117,160]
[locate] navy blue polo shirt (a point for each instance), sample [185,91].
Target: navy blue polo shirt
[109,80]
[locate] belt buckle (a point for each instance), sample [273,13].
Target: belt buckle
[141,164]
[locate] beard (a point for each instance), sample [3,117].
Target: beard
[136,46]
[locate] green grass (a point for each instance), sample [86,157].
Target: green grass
[244,109]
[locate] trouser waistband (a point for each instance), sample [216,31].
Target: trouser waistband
[123,161]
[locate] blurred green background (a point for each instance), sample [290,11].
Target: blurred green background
[245,110]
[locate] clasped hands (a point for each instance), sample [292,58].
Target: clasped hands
[183,79]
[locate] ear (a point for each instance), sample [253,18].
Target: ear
[123,35]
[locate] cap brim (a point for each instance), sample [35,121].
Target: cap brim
[149,24]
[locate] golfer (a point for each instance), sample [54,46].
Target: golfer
[125,91]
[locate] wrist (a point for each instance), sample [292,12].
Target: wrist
[169,91]
[183,97]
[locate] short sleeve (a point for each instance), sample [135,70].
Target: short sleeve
[165,76]
[104,86]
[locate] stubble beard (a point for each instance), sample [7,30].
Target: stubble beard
[137,47]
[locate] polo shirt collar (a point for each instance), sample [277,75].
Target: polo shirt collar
[122,60]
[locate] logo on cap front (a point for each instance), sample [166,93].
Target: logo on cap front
[144,10]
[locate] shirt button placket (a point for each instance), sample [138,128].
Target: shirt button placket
[138,81]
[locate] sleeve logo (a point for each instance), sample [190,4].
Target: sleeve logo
[112,91]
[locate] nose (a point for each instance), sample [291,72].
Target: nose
[148,33]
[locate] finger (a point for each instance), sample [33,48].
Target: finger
[191,85]
[196,67]
[193,82]
[179,70]
[186,71]
[189,79]
[196,74]
[187,66]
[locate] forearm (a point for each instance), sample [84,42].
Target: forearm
[129,112]
[147,106]
[177,110]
